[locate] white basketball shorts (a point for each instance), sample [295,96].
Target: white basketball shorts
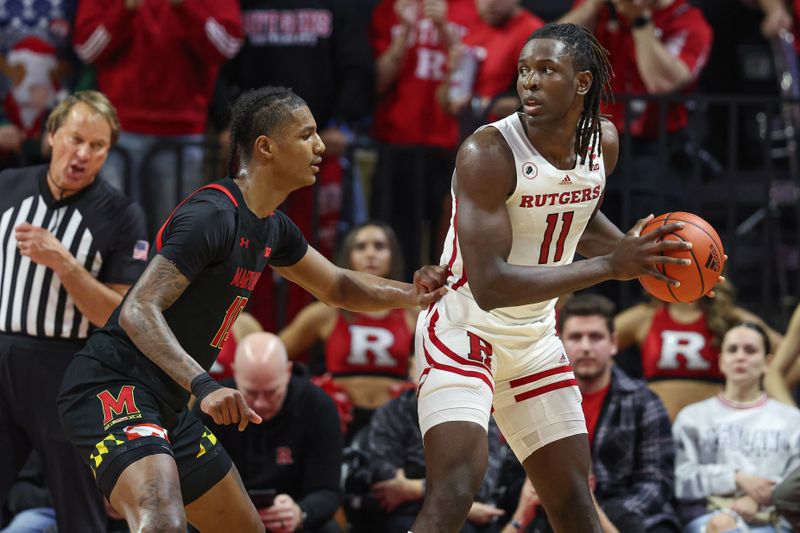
[517,373]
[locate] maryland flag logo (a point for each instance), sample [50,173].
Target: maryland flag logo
[207,441]
[108,443]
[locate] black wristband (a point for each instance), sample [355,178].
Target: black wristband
[641,21]
[203,385]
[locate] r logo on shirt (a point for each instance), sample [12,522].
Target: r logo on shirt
[283,456]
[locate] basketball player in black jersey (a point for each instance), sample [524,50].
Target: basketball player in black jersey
[123,400]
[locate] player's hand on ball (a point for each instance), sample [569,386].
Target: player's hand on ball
[429,284]
[227,406]
[636,254]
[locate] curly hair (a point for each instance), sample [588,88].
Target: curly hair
[587,54]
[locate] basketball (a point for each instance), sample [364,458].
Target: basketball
[707,255]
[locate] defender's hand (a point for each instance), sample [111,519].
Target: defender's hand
[429,284]
[227,406]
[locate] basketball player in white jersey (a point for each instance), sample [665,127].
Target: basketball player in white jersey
[526,193]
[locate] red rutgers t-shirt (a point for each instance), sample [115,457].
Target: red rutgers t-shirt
[408,112]
[686,34]
[672,350]
[500,47]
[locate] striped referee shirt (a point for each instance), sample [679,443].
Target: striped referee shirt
[101,228]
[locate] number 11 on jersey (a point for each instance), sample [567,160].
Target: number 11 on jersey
[230,317]
[552,221]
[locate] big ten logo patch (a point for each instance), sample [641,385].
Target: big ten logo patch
[594,165]
[480,350]
[529,170]
[114,407]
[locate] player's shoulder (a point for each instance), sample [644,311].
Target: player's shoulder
[213,198]
[207,204]
[485,166]
[484,147]
[610,144]
[609,133]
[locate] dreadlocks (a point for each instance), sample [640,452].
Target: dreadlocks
[258,112]
[587,54]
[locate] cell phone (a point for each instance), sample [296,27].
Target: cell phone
[262,498]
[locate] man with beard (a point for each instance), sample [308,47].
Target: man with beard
[631,445]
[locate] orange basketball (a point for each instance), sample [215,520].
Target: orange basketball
[707,255]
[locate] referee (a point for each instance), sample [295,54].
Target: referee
[70,247]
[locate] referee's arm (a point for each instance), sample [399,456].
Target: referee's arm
[94,299]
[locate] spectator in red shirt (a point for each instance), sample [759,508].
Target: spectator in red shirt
[157,60]
[656,47]
[417,139]
[492,44]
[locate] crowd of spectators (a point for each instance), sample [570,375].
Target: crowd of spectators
[681,431]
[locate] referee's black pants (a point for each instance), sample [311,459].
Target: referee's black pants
[30,375]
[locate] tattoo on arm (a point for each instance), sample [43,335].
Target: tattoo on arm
[142,318]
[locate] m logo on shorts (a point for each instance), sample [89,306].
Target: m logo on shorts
[115,406]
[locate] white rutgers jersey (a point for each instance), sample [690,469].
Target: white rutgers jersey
[549,210]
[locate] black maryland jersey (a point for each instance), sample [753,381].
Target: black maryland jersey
[101,228]
[222,248]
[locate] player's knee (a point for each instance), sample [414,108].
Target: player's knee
[452,498]
[720,522]
[164,522]
[161,514]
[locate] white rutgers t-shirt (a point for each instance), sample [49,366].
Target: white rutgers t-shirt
[549,210]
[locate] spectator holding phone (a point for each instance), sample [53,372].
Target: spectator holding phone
[290,462]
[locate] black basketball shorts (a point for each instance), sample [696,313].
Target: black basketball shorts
[113,421]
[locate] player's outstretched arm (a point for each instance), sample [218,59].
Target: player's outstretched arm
[485,177]
[142,318]
[361,292]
